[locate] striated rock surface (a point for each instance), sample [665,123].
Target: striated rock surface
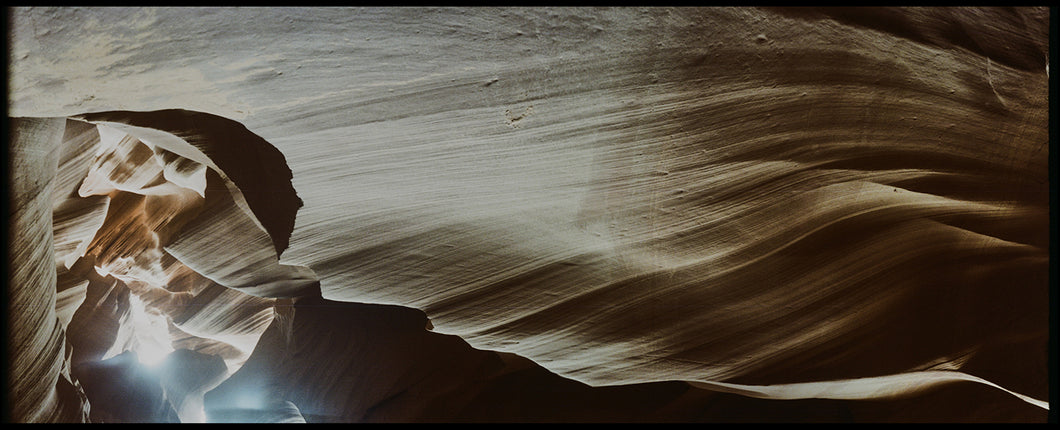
[530,214]
[40,386]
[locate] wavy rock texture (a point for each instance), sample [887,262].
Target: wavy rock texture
[39,383]
[111,288]
[621,214]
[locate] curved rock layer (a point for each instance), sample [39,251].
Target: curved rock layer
[782,205]
[117,279]
[39,383]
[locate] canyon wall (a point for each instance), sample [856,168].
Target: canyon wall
[415,214]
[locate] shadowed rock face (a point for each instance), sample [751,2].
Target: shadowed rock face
[255,166]
[558,215]
[1015,37]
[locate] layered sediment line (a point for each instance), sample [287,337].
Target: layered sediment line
[38,378]
[121,276]
[843,204]
[256,167]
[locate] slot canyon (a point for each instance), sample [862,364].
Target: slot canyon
[529,214]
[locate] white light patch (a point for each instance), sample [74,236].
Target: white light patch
[151,333]
[199,416]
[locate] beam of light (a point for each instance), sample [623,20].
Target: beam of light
[198,417]
[150,333]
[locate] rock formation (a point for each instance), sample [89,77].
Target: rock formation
[529,214]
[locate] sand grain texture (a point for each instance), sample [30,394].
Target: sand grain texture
[615,214]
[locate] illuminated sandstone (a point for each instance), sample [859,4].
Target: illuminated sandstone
[788,204]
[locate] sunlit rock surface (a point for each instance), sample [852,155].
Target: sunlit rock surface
[620,214]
